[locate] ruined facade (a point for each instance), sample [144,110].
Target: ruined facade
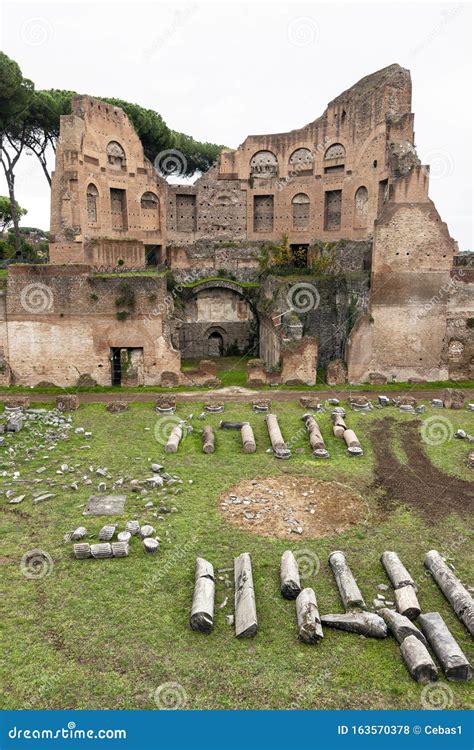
[345,195]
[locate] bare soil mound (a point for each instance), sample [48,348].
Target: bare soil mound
[418,483]
[292,507]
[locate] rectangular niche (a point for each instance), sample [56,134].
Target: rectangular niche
[186,213]
[118,208]
[263,213]
[332,209]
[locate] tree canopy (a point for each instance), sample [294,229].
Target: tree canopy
[6,218]
[30,121]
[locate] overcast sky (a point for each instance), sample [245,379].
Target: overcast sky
[221,71]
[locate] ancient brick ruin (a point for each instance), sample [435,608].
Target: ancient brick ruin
[345,195]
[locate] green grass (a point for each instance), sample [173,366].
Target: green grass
[230,370]
[233,373]
[106,634]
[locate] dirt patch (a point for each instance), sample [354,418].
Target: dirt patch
[418,483]
[292,507]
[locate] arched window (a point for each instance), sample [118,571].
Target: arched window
[336,151]
[92,195]
[149,201]
[150,206]
[361,207]
[301,161]
[300,205]
[116,155]
[264,164]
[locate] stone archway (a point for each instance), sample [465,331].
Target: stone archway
[218,319]
[215,342]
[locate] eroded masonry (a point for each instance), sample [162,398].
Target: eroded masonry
[373,287]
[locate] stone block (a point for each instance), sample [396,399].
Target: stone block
[336,372]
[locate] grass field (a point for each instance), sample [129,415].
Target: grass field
[106,634]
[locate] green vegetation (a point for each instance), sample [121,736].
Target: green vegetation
[191,284]
[234,377]
[29,122]
[106,634]
[230,370]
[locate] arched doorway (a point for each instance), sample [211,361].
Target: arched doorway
[215,344]
[222,308]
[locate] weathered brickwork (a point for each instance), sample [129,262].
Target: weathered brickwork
[345,195]
[64,323]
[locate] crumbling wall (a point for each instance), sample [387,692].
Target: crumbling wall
[402,337]
[458,345]
[207,258]
[63,322]
[103,189]
[217,322]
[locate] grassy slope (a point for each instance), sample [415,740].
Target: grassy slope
[106,634]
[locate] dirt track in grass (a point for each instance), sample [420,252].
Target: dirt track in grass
[418,483]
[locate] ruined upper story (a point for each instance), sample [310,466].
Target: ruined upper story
[103,187]
[326,181]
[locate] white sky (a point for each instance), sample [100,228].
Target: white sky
[221,71]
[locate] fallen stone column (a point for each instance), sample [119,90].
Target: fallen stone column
[403,584]
[459,597]
[174,439]
[348,588]
[202,611]
[278,444]
[120,549]
[363,623]
[307,617]
[101,550]
[315,437]
[248,439]
[245,607]
[354,448]
[261,405]
[208,440]
[418,660]
[455,664]
[339,425]
[400,626]
[82,551]
[290,585]
[407,602]
[396,571]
